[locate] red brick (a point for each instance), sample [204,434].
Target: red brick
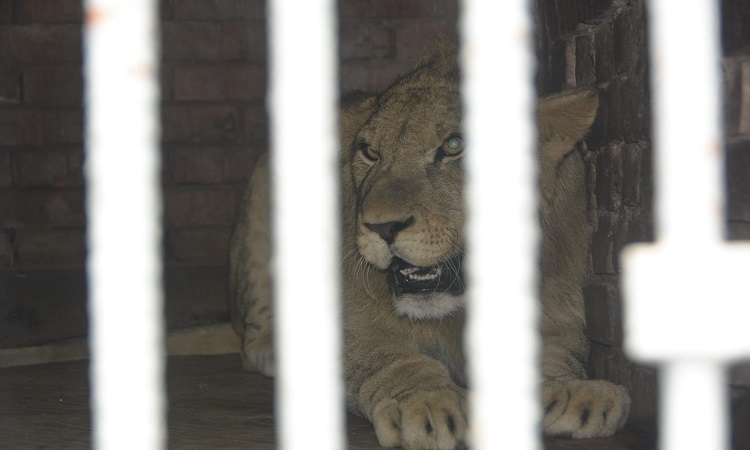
[397,8]
[733,104]
[255,123]
[218,9]
[255,42]
[205,245]
[5,51]
[195,295]
[414,36]
[15,124]
[740,374]
[63,126]
[738,181]
[175,122]
[365,39]
[166,83]
[743,122]
[232,46]
[198,41]
[604,66]
[738,231]
[48,208]
[46,43]
[7,248]
[584,52]
[5,179]
[58,168]
[207,164]
[371,76]
[219,83]
[45,247]
[246,82]
[602,243]
[628,41]
[53,85]
[198,207]
[49,127]
[198,83]
[608,183]
[46,11]
[609,363]
[214,123]
[10,85]
[6,12]
[603,323]
[636,173]
[39,127]
[644,394]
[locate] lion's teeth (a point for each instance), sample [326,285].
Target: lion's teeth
[409,271]
[413,273]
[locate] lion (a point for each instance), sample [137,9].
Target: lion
[403,283]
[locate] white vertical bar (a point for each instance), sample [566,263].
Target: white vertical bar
[498,74]
[306,218]
[687,386]
[122,171]
[686,82]
[689,278]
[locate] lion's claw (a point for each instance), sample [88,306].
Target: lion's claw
[584,408]
[422,420]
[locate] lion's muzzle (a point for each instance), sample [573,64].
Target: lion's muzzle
[446,276]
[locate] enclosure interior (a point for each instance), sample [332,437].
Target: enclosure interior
[214,126]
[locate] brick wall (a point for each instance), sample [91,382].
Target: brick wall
[41,145]
[213,82]
[604,44]
[214,123]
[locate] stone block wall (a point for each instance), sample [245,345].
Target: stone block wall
[41,139]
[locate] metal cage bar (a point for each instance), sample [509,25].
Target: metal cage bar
[305,143]
[498,89]
[688,278]
[124,229]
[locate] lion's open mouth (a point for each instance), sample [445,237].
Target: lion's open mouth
[446,276]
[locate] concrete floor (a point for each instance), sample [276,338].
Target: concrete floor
[213,404]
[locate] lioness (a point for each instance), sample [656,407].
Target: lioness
[403,214]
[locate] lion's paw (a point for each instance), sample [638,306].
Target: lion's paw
[422,420]
[584,408]
[259,355]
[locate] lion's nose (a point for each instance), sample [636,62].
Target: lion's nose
[389,230]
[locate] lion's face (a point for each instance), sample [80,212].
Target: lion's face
[408,175]
[404,153]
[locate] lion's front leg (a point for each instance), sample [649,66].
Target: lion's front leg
[573,405]
[412,401]
[250,287]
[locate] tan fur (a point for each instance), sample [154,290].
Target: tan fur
[404,361]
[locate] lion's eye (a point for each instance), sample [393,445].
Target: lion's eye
[453,146]
[368,152]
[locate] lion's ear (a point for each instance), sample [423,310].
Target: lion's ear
[563,119]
